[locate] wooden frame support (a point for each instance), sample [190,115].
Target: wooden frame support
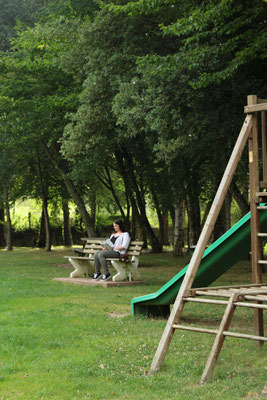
[202,243]
[249,132]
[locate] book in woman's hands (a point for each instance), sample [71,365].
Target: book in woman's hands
[107,244]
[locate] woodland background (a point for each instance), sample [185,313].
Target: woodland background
[125,109]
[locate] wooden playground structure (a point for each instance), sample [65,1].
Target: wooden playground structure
[251,296]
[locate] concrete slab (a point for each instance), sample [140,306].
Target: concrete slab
[91,282]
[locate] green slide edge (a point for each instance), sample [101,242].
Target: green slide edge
[231,247]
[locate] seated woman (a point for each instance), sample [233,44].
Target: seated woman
[120,240]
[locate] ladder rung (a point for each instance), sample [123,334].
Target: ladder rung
[225,333]
[223,302]
[262,234]
[261,194]
[262,261]
[256,298]
[262,207]
[195,329]
[209,301]
[218,293]
[243,336]
[251,305]
[253,292]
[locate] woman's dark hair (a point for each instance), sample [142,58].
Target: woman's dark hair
[120,223]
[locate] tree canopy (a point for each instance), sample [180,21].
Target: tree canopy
[132,103]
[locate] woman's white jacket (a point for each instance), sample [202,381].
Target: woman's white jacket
[122,240]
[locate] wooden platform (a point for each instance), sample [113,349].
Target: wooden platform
[91,282]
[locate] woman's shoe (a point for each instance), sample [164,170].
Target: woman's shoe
[106,277]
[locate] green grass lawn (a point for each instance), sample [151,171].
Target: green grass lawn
[64,341]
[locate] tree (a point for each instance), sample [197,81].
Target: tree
[192,97]
[114,43]
[45,93]
[149,95]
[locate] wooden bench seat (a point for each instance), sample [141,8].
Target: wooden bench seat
[83,260]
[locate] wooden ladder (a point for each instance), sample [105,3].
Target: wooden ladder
[256,198]
[248,133]
[237,296]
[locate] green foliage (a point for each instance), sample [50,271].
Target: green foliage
[191,98]
[220,38]
[102,124]
[150,89]
[139,7]
[17,13]
[35,96]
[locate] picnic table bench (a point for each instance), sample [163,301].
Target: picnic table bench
[83,260]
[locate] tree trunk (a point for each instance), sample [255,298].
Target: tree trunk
[228,203]
[131,185]
[87,220]
[8,222]
[240,199]
[66,218]
[92,205]
[44,201]
[206,213]
[178,230]
[134,225]
[2,228]
[41,236]
[78,220]
[108,183]
[193,218]
[160,216]
[165,218]
[141,233]
[78,200]
[223,222]
[220,225]
[48,242]
[144,238]
[128,208]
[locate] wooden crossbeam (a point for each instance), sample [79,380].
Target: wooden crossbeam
[255,108]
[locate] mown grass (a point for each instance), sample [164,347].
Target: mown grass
[64,341]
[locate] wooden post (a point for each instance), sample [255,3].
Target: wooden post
[264,146]
[255,217]
[264,161]
[201,245]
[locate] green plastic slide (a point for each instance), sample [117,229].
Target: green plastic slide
[231,247]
